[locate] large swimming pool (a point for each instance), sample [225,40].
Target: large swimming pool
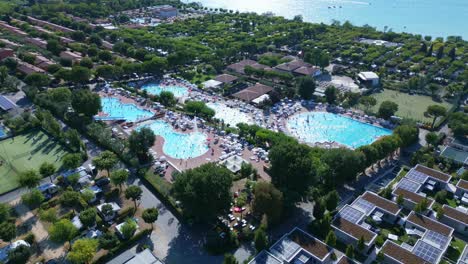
[179,145]
[156,89]
[313,127]
[231,116]
[115,109]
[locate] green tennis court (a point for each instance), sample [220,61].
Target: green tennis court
[25,152]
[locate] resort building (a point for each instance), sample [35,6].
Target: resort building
[461,191]
[27,68]
[464,256]
[416,181]
[50,25]
[369,79]
[107,45]
[457,218]
[254,94]
[42,30]
[165,11]
[212,84]
[239,67]
[10,44]
[226,79]
[265,257]
[353,222]
[65,40]
[6,53]
[301,247]
[311,71]
[115,210]
[290,67]
[12,29]
[43,62]
[38,42]
[73,56]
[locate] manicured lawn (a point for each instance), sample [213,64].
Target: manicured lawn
[24,152]
[409,106]
[455,249]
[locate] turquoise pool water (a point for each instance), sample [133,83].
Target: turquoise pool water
[115,109]
[2,132]
[313,127]
[179,145]
[156,89]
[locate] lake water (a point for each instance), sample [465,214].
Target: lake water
[426,17]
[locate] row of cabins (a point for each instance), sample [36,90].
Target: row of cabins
[49,25]
[298,246]
[296,67]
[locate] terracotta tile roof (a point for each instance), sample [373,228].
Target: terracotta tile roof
[400,254]
[433,173]
[225,78]
[352,229]
[411,196]
[430,224]
[253,92]
[462,184]
[309,243]
[306,70]
[291,66]
[455,214]
[27,68]
[383,203]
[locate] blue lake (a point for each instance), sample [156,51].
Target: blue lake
[313,127]
[426,17]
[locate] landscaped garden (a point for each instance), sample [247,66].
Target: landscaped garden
[25,152]
[409,106]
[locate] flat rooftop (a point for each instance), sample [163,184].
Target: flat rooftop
[429,224]
[400,254]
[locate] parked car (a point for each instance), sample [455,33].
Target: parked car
[102,182]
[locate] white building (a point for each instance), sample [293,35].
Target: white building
[369,78]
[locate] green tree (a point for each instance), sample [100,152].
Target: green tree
[268,200]
[331,239]
[432,138]
[72,137]
[119,177]
[20,254]
[435,111]
[88,217]
[260,239]
[306,87]
[33,199]
[400,200]
[204,191]
[83,251]
[434,88]
[134,193]
[408,134]
[70,198]
[150,216]
[319,209]
[105,161]
[47,170]
[331,94]
[368,102]
[71,161]
[128,229]
[292,170]
[387,109]
[37,80]
[331,200]
[361,244]
[230,259]
[108,240]
[54,47]
[86,102]
[350,251]
[167,98]
[29,179]
[62,231]
[5,212]
[7,231]
[139,143]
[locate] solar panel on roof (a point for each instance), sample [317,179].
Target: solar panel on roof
[427,252]
[409,185]
[351,214]
[6,104]
[417,176]
[364,205]
[436,238]
[286,248]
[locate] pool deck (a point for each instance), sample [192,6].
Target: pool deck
[212,155]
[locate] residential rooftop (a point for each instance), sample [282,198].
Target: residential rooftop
[433,173]
[459,215]
[380,202]
[399,254]
[462,184]
[253,92]
[429,224]
[265,257]
[354,230]
[226,78]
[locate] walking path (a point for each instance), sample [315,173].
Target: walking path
[49,249]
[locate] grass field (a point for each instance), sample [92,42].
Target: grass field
[409,106]
[24,152]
